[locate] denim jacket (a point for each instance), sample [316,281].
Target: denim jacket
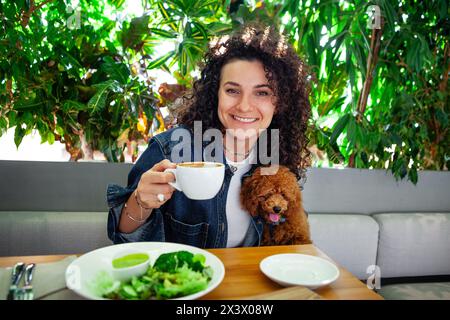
[200,223]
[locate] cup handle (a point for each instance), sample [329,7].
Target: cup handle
[174,184]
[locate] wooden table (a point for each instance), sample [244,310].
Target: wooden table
[243,277]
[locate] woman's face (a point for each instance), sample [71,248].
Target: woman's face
[246,101]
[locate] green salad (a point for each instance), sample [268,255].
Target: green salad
[174,274]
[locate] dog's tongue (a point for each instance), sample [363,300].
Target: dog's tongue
[274,217]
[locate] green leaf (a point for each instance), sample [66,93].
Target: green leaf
[117,3]
[27,118]
[29,104]
[364,158]
[183,60]
[337,104]
[161,60]
[10,10]
[59,130]
[360,134]
[98,101]
[396,165]
[333,153]
[389,12]
[395,138]
[149,111]
[3,125]
[206,3]
[339,127]
[115,70]
[73,105]
[413,54]
[12,119]
[443,9]
[70,63]
[166,15]
[166,68]
[164,33]
[19,133]
[412,175]
[50,137]
[442,117]
[134,32]
[351,131]
[200,29]
[360,55]
[402,170]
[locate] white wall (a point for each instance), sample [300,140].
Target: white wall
[31,148]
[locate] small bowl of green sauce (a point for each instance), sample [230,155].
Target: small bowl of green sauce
[128,264]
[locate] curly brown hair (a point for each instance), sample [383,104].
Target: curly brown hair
[287,76]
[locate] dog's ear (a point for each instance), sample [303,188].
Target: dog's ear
[288,183]
[293,192]
[249,198]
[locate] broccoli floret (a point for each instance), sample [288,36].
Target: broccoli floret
[195,262]
[169,262]
[184,257]
[198,262]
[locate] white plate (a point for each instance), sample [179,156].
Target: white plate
[82,272]
[294,269]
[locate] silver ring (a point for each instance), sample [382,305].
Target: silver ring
[160,197]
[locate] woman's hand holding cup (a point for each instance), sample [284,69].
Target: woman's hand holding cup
[154,189]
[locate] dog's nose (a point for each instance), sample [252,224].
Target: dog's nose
[276,209]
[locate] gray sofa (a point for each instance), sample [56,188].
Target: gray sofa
[394,234]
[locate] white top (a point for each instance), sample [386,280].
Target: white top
[238,219]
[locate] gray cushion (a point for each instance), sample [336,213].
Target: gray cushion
[413,244]
[416,291]
[58,186]
[371,191]
[40,233]
[351,240]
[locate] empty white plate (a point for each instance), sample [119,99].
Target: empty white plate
[294,269]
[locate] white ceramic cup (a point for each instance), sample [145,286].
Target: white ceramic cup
[198,180]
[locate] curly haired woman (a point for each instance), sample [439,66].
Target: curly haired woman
[251,82]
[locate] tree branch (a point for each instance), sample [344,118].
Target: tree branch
[372,59]
[444,81]
[26,15]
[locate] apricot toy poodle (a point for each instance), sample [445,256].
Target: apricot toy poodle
[277,199]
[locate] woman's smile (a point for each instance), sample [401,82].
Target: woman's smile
[244,119]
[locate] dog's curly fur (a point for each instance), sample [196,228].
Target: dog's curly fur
[262,193]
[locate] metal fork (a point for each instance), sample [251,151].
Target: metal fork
[26,292]
[16,275]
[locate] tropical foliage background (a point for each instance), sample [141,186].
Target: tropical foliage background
[83,73]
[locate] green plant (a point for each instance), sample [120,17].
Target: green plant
[80,75]
[380,94]
[187,25]
[70,77]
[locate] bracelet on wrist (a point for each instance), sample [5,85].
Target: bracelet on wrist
[141,209]
[134,219]
[136,197]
